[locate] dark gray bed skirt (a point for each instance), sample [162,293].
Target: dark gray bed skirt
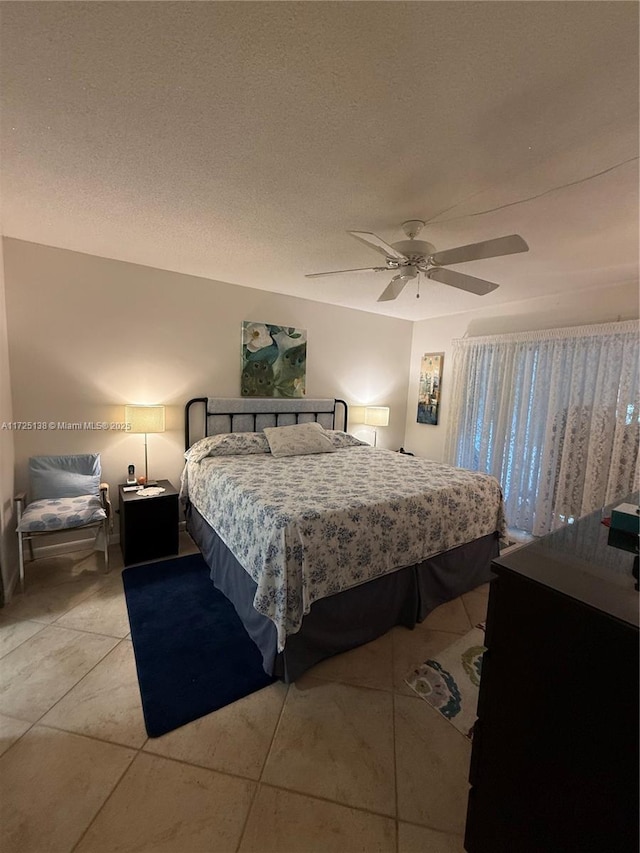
[350,618]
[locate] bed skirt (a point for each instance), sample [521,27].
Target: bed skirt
[350,618]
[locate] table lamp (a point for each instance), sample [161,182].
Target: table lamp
[145,419]
[376,416]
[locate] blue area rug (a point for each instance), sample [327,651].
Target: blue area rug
[192,653]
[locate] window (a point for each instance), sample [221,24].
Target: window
[553,415]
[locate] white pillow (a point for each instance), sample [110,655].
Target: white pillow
[298,439]
[228,444]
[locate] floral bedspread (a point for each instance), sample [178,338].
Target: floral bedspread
[306,527]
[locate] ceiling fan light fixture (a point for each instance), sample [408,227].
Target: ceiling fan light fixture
[412,257]
[412,227]
[407,273]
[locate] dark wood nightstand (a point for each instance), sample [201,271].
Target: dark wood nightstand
[148,525]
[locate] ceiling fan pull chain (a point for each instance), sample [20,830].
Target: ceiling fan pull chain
[418,293]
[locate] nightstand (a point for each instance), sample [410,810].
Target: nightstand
[148,525]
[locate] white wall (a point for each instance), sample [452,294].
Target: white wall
[8,541]
[88,335]
[572,309]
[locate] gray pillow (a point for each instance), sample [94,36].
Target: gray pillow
[298,440]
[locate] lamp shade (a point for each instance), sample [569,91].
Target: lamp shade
[376,415]
[144,418]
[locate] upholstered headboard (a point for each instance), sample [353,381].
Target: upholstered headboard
[214,415]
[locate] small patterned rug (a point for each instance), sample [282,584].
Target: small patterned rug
[450,682]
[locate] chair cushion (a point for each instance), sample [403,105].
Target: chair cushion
[64,476]
[42,516]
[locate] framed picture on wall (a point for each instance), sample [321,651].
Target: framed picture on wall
[274,360]
[429,387]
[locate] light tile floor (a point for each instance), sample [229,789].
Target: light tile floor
[348,759]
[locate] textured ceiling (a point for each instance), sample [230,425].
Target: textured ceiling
[239,141]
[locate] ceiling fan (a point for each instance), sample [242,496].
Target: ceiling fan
[412,257]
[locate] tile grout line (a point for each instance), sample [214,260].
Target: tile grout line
[257,782]
[275,731]
[324,799]
[33,723]
[245,823]
[106,800]
[58,728]
[18,739]
[434,828]
[259,779]
[395,769]
[466,612]
[435,715]
[395,751]
[53,622]
[345,683]
[76,683]
[21,622]
[182,762]
[306,793]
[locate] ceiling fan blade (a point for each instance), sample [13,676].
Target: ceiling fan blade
[394,288]
[464,282]
[378,244]
[336,272]
[510,245]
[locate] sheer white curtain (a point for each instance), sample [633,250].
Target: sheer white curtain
[554,415]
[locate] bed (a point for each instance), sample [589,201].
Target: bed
[320,552]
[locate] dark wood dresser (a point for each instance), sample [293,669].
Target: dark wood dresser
[554,765]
